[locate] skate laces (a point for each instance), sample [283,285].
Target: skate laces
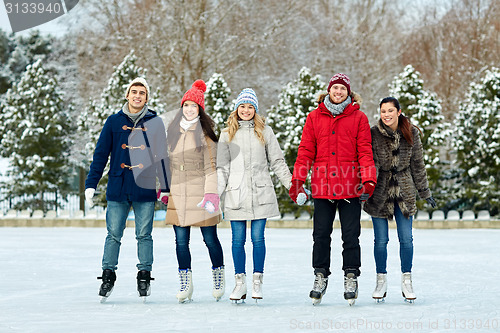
[183,275]
[407,283]
[380,283]
[350,283]
[319,283]
[217,276]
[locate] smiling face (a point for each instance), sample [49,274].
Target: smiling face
[338,93]
[136,98]
[246,111]
[190,110]
[389,114]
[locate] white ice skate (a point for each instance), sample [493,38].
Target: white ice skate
[240,289]
[257,286]
[380,291]
[219,282]
[407,288]
[186,289]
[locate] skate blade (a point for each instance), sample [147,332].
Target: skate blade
[103,299]
[316,301]
[143,298]
[410,300]
[351,301]
[185,300]
[379,300]
[238,301]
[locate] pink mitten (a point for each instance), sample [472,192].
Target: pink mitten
[210,202]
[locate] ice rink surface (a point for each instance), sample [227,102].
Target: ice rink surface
[48,284]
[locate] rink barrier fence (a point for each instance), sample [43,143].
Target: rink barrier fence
[96,219]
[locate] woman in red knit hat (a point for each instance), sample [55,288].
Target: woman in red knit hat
[336,143]
[192,146]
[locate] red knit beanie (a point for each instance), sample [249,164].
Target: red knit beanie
[196,94]
[340,79]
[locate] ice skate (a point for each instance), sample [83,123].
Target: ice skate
[143,284]
[186,289]
[407,288]
[257,286]
[108,282]
[319,286]
[381,288]
[219,282]
[350,288]
[240,289]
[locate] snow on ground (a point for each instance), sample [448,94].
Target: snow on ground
[48,284]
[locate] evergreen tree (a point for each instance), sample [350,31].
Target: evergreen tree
[287,119]
[424,110]
[217,102]
[477,145]
[112,99]
[17,52]
[36,128]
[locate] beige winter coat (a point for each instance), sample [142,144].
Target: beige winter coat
[245,185]
[193,175]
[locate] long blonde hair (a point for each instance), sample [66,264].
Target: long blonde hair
[233,126]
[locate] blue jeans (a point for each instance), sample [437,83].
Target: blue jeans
[381,231]
[182,236]
[239,235]
[116,218]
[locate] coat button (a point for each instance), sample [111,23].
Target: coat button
[333,132]
[333,153]
[333,174]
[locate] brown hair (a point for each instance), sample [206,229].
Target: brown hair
[404,123]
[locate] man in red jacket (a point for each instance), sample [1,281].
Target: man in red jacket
[336,143]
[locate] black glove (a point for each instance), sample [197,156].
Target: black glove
[431,202]
[363,197]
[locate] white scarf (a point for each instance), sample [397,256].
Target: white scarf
[185,124]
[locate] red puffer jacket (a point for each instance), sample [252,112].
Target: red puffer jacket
[339,150]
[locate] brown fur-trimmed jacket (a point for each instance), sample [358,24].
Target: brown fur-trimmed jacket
[400,172]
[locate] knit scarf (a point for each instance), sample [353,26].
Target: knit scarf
[185,124]
[336,109]
[135,117]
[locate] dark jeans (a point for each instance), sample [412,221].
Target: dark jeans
[324,214]
[182,235]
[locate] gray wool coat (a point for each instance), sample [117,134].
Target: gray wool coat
[400,173]
[244,183]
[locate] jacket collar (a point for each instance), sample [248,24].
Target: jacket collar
[347,111]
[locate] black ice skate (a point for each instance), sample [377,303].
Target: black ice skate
[319,286]
[143,284]
[108,282]
[350,288]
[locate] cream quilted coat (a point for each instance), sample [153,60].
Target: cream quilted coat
[245,185]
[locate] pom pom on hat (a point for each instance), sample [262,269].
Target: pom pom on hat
[196,94]
[342,79]
[247,95]
[140,81]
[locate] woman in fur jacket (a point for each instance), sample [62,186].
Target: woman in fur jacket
[398,156]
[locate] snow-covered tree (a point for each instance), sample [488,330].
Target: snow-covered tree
[424,110]
[112,99]
[477,144]
[217,102]
[288,118]
[35,139]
